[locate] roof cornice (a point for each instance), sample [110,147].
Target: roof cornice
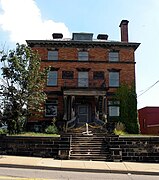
[72,43]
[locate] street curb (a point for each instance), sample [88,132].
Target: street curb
[79,169]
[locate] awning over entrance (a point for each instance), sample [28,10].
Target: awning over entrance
[84,92]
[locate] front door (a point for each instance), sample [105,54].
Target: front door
[83,113]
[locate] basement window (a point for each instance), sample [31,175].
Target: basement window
[114,108]
[51,108]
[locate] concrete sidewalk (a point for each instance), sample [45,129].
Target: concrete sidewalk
[83,166]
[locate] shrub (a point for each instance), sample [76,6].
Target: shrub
[3,131]
[119,129]
[52,129]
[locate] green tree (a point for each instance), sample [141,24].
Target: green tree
[21,86]
[128,108]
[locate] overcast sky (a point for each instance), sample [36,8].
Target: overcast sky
[38,19]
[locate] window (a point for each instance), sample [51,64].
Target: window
[83,56]
[67,74]
[52,78]
[114,109]
[82,79]
[114,79]
[53,55]
[98,75]
[113,56]
[51,108]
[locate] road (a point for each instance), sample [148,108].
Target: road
[34,174]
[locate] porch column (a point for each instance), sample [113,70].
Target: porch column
[65,108]
[96,107]
[72,108]
[104,110]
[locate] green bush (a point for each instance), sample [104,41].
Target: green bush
[52,129]
[119,132]
[132,128]
[119,129]
[3,131]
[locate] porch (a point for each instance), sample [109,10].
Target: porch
[83,106]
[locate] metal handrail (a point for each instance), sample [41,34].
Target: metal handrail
[99,121]
[70,146]
[69,122]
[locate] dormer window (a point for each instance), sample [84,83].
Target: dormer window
[113,56]
[53,55]
[83,56]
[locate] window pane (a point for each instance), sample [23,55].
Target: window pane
[113,110]
[113,56]
[83,56]
[52,78]
[114,79]
[82,79]
[52,55]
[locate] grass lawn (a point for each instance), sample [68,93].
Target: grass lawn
[36,134]
[138,135]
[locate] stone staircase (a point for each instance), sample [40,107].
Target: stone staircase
[89,147]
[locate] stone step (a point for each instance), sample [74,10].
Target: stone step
[76,152]
[88,139]
[87,143]
[81,135]
[90,150]
[91,157]
[88,147]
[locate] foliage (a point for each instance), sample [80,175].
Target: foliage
[128,108]
[22,85]
[36,134]
[52,129]
[119,132]
[119,129]
[3,131]
[120,126]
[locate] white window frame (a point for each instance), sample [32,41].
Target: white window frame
[113,56]
[83,56]
[114,79]
[53,55]
[52,78]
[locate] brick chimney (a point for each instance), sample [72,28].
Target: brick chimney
[124,30]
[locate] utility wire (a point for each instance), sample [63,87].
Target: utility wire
[148,88]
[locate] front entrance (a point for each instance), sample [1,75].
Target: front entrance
[83,114]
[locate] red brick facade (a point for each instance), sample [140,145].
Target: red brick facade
[94,97]
[149,120]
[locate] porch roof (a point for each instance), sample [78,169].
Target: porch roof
[84,92]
